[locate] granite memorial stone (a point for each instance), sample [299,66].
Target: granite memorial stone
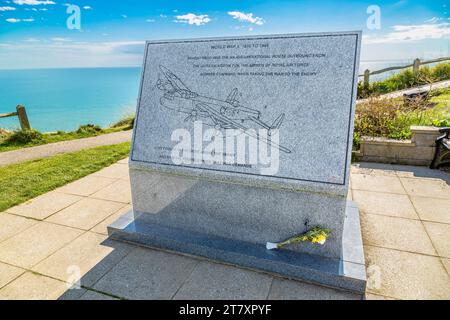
[247,140]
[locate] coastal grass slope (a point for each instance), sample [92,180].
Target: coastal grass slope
[24,181]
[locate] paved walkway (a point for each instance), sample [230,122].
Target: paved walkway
[400,93]
[51,149]
[61,236]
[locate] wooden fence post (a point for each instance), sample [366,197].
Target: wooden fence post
[366,77]
[23,118]
[416,65]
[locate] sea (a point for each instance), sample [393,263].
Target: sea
[64,99]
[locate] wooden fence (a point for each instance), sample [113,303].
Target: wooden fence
[415,65]
[21,113]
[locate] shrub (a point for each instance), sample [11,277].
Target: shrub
[442,71]
[441,122]
[4,133]
[25,136]
[392,118]
[89,129]
[126,122]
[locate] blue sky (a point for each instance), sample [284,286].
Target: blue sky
[34,34]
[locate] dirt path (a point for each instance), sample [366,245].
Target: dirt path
[400,93]
[51,149]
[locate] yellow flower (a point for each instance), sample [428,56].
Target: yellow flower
[321,239]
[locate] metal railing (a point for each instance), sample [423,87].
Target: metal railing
[415,65]
[21,113]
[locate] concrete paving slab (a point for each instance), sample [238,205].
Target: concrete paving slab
[432,209]
[45,205]
[213,281]
[371,296]
[8,273]
[440,236]
[369,182]
[87,258]
[372,168]
[283,289]
[116,171]
[35,244]
[86,213]
[446,263]
[395,233]
[119,191]
[419,172]
[390,204]
[11,225]
[32,286]
[147,274]
[86,186]
[124,161]
[426,188]
[405,275]
[102,226]
[73,293]
[92,295]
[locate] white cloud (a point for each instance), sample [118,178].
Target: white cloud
[87,8]
[433,20]
[246,17]
[193,19]
[36,9]
[7,8]
[412,33]
[58,39]
[150,20]
[33,2]
[34,40]
[100,47]
[14,20]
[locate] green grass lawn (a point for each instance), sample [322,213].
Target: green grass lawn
[24,181]
[442,101]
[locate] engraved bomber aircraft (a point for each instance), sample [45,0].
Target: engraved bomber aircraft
[220,114]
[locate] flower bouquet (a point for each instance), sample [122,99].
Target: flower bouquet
[316,235]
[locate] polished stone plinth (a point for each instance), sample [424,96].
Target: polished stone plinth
[347,273]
